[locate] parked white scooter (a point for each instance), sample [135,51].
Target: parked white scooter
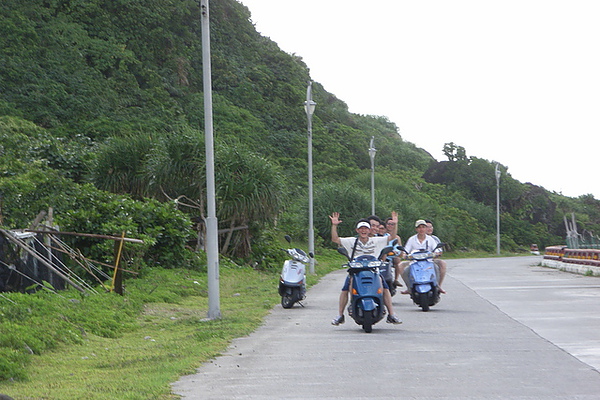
[292,282]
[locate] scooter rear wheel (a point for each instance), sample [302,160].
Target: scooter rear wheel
[287,301]
[290,297]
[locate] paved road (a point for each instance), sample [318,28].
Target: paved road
[507,329]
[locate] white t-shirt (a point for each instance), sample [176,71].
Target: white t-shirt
[437,239]
[373,246]
[413,244]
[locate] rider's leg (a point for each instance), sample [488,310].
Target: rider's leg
[399,269]
[343,302]
[387,300]
[403,271]
[396,261]
[442,272]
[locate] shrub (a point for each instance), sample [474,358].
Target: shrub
[83,208]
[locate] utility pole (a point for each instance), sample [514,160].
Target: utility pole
[212,225]
[497,208]
[309,107]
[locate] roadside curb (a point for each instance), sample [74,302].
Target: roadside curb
[573,268]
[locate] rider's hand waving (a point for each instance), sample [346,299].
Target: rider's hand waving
[335,218]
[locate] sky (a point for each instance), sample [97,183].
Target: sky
[512,81]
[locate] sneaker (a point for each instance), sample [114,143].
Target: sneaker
[338,320]
[392,319]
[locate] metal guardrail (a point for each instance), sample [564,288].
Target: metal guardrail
[583,242]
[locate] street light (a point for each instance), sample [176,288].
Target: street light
[372,152]
[212,225]
[309,107]
[498,208]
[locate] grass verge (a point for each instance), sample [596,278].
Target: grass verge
[132,347]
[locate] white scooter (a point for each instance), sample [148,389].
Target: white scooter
[292,282]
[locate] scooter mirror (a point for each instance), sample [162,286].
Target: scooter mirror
[288,238]
[344,252]
[385,250]
[440,245]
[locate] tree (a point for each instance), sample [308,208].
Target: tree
[455,153]
[249,192]
[172,167]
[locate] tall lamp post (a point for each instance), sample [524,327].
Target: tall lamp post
[212,239]
[309,107]
[498,209]
[372,151]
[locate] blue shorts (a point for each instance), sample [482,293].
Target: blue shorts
[346,286]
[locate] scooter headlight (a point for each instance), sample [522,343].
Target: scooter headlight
[302,259]
[373,264]
[298,256]
[355,264]
[420,256]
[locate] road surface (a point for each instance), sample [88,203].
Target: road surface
[507,329]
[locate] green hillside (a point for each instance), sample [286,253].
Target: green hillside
[101,118]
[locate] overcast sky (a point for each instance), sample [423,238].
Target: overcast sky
[512,81]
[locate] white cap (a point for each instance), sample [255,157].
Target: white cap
[420,222]
[363,223]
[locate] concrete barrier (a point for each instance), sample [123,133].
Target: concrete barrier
[579,261]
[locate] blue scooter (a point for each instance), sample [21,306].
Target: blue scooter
[423,277]
[366,288]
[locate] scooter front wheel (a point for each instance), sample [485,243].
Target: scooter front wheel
[424,301]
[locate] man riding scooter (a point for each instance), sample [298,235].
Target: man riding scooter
[364,244]
[420,241]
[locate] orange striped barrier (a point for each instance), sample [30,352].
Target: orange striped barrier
[573,256]
[554,252]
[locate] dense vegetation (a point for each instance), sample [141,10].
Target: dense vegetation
[101,118]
